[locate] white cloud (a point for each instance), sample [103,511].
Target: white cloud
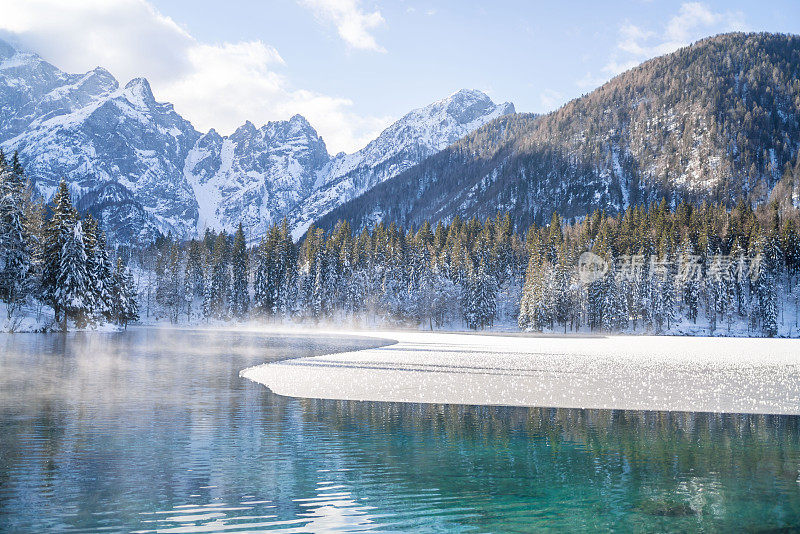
[693,21]
[353,24]
[635,44]
[550,99]
[128,35]
[213,85]
[590,81]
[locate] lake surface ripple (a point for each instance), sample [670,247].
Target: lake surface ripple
[154,431]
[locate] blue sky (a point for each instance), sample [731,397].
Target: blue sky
[354,66]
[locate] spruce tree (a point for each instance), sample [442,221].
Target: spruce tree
[240,298]
[124,308]
[220,277]
[58,230]
[72,291]
[15,254]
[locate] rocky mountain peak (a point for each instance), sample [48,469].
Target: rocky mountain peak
[420,133]
[138,91]
[468,105]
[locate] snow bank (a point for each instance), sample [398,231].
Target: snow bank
[605,372]
[27,318]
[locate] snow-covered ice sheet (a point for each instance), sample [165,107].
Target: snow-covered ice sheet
[606,372]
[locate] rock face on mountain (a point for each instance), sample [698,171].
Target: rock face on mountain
[256,175]
[123,137]
[92,133]
[416,136]
[143,169]
[718,120]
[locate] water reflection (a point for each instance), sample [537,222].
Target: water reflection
[155,431]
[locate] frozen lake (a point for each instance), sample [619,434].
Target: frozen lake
[736,375]
[155,431]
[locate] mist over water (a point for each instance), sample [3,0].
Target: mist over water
[153,430]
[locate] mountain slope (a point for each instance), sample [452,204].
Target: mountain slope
[417,135]
[143,169]
[715,120]
[256,175]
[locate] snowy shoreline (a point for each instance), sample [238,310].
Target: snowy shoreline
[663,373]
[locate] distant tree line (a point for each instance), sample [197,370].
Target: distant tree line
[464,272]
[660,266]
[51,255]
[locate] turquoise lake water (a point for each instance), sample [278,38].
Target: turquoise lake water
[154,431]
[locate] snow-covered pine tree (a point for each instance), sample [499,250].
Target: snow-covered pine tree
[668,290]
[486,296]
[790,242]
[220,277]
[124,308]
[98,270]
[536,310]
[104,275]
[90,229]
[268,277]
[563,300]
[15,254]
[615,308]
[72,291]
[767,285]
[240,296]
[173,299]
[470,303]
[730,307]
[33,221]
[261,293]
[193,278]
[56,232]
[287,259]
[689,278]
[715,288]
[208,309]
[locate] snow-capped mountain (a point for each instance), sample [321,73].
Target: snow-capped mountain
[121,152]
[256,175]
[123,137]
[417,135]
[142,168]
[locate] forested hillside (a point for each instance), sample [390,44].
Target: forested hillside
[717,120]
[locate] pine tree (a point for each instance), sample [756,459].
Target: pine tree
[220,277]
[487,295]
[98,270]
[563,301]
[58,229]
[766,284]
[172,293]
[72,291]
[15,254]
[790,243]
[535,308]
[689,280]
[193,278]
[240,298]
[287,259]
[124,308]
